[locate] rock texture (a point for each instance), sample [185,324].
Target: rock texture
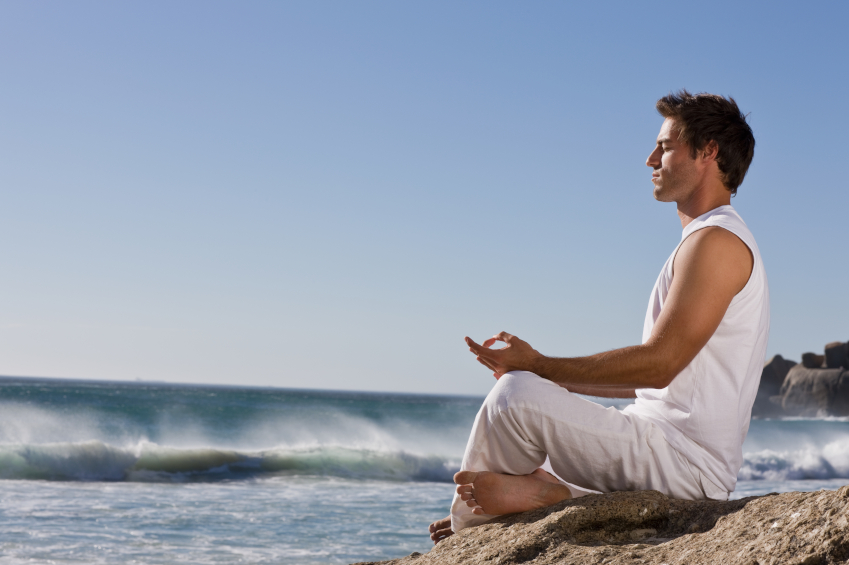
[817,387]
[647,527]
[812,360]
[815,392]
[837,355]
[772,378]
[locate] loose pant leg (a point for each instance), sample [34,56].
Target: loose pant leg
[526,418]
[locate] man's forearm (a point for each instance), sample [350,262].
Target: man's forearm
[602,391]
[651,365]
[611,373]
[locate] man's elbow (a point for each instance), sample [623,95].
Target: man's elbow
[664,380]
[655,380]
[670,370]
[665,363]
[663,374]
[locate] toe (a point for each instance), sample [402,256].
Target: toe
[465,477]
[440,535]
[440,525]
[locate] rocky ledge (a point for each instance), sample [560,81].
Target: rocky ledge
[798,528]
[817,387]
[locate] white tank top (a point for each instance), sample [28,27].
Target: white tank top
[704,413]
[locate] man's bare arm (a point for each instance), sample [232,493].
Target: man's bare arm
[711,267]
[602,391]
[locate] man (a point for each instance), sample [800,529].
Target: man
[694,377]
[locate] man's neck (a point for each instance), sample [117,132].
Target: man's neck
[701,202]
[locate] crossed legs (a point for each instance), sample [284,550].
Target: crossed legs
[524,419]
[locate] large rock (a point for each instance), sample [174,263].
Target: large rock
[837,355]
[815,392]
[813,360]
[799,528]
[772,378]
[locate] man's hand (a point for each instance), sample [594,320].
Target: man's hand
[517,355]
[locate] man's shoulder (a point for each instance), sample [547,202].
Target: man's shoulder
[716,235]
[716,252]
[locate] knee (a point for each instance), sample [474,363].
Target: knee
[517,388]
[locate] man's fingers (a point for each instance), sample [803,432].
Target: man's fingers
[496,372]
[503,336]
[491,358]
[473,347]
[488,365]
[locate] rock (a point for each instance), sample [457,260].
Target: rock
[772,378]
[837,355]
[647,527]
[815,392]
[818,387]
[812,360]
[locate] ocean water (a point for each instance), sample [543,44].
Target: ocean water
[99,472]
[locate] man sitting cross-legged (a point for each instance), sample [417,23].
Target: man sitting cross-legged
[694,377]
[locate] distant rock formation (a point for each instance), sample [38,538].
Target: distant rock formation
[817,387]
[797,528]
[767,402]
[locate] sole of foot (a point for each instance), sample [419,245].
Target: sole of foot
[498,494]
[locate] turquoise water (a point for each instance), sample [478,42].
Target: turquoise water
[97,472]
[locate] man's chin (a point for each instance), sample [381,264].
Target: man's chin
[661,196]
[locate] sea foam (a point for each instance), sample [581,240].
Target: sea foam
[828,462]
[148,462]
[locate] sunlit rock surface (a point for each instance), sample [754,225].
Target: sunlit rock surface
[798,528]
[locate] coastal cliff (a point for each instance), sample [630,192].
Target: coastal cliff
[815,388]
[796,528]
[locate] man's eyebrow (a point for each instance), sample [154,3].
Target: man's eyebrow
[664,140]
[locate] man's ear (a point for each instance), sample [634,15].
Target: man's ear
[711,150]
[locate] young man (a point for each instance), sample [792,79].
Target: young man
[694,377]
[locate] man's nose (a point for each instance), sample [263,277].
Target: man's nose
[653,160]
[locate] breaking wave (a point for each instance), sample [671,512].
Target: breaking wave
[148,462]
[830,461]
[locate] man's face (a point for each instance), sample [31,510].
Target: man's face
[676,174]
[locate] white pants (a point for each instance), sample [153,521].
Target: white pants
[526,418]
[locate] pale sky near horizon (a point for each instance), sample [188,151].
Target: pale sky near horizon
[332,194]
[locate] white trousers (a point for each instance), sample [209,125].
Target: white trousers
[526,418]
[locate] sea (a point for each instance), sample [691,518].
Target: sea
[139,472]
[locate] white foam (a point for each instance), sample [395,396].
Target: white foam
[146,461]
[828,462]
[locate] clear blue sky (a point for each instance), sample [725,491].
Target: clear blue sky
[332,194]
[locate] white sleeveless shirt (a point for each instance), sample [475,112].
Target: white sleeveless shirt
[704,413]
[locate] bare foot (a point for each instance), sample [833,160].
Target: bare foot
[545,476]
[440,530]
[496,494]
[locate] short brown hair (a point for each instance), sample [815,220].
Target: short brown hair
[702,118]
